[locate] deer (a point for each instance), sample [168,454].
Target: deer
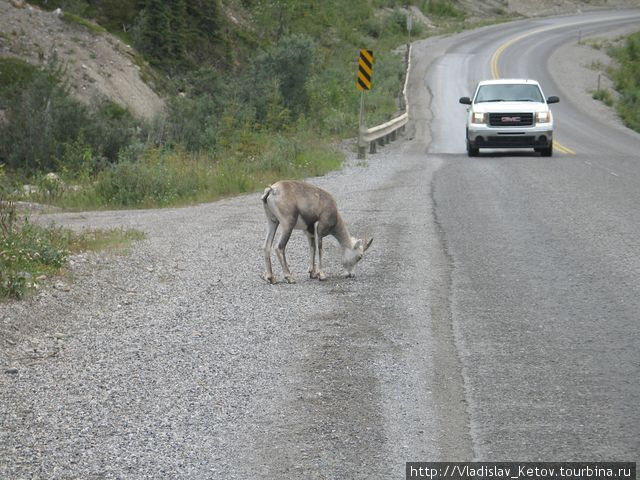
[302,206]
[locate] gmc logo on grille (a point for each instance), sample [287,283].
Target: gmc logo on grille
[510,119]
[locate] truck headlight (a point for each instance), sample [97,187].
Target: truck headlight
[543,117]
[478,117]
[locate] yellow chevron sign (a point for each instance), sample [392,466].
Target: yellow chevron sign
[365,70]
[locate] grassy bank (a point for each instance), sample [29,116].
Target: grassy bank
[163,177]
[626,77]
[625,74]
[30,254]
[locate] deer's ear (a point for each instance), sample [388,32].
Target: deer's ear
[367,244]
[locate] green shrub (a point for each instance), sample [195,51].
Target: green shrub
[626,78]
[4,182]
[39,122]
[192,122]
[604,96]
[43,120]
[291,62]
[109,129]
[155,180]
[26,251]
[50,188]
[14,75]
[441,8]
[29,253]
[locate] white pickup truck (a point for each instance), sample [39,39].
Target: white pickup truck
[509,113]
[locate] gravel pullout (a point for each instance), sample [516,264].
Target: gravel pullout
[178,361]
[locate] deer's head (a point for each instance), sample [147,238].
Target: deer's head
[353,255]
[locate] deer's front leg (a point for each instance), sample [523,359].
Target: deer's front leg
[318,240]
[282,243]
[313,272]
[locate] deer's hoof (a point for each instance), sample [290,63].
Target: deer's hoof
[322,276]
[313,274]
[270,278]
[290,278]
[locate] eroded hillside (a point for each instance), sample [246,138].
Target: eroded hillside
[97,63]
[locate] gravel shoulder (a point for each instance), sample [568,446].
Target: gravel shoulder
[179,361]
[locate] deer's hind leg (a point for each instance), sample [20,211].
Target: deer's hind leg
[318,241]
[282,243]
[272,226]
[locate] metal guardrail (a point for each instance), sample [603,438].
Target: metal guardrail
[387,132]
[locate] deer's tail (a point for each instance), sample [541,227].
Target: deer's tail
[266,193]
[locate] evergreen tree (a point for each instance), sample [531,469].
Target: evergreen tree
[206,17]
[156,40]
[177,25]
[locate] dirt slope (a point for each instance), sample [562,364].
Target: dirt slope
[98,64]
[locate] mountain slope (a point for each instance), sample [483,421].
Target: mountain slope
[97,63]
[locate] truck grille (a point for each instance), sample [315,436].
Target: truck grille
[511,141]
[510,119]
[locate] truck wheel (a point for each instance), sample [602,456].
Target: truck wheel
[472,151]
[547,152]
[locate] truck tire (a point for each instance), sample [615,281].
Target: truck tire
[471,150]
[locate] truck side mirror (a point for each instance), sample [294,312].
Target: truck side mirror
[465,100]
[553,100]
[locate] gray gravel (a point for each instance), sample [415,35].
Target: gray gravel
[178,361]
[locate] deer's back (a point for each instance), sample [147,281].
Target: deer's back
[304,204]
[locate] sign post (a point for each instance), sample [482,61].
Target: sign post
[365,73]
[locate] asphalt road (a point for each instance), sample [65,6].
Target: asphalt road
[545,294]
[495,316]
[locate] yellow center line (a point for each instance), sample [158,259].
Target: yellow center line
[495,72]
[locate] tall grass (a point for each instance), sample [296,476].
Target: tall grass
[626,77]
[177,177]
[604,96]
[440,8]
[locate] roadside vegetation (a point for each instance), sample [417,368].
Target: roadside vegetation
[625,74]
[30,254]
[626,78]
[265,96]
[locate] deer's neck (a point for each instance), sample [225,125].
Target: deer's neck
[341,233]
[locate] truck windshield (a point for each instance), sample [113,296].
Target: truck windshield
[509,93]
